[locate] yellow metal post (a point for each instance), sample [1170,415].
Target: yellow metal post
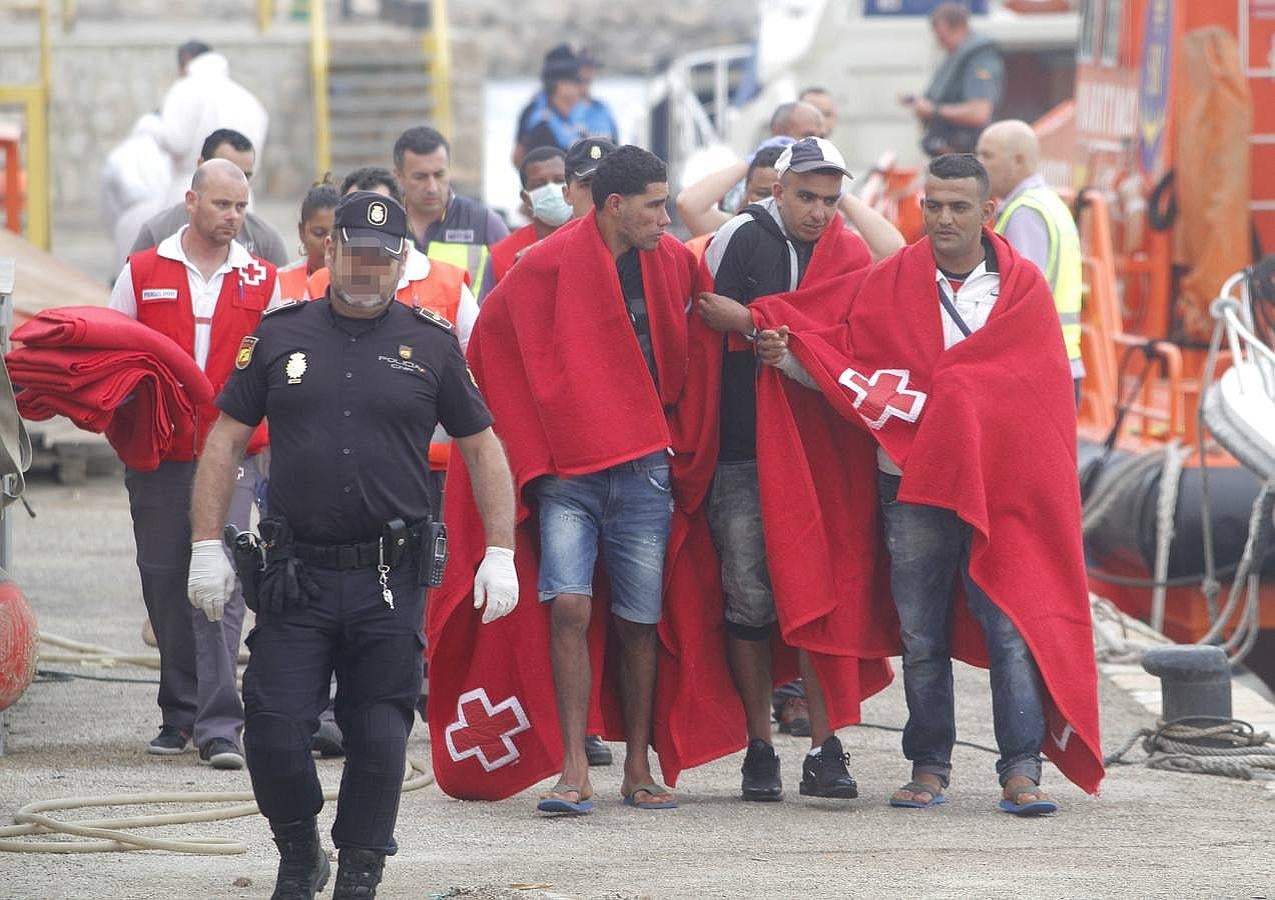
[438,52]
[319,85]
[265,14]
[69,12]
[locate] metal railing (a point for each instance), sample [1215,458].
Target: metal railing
[694,124]
[319,87]
[34,98]
[438,57]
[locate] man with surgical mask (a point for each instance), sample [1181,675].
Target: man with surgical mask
[543,173]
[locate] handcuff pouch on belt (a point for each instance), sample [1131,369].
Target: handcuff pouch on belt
[249,562]
[284,582]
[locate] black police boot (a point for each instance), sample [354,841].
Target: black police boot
[827,775]
[358,872]
[303,866]
[761,772]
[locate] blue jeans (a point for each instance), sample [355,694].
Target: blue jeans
[928,545]
[627,508]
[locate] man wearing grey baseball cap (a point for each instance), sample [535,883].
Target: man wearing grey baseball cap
[791,239]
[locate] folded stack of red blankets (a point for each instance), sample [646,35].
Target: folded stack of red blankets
[109,374]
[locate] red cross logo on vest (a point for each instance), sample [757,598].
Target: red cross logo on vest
[252,274]
[883,395]
[485,731]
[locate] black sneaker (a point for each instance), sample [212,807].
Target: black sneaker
[358,873]
[596,751]
[170,741]
[761,773]
[826,775]
[221,754]
[328,742]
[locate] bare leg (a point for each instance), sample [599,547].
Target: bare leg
[638,649]
[750,666]
[819,728]
[569,649]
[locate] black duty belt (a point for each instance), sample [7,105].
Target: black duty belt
[354,556]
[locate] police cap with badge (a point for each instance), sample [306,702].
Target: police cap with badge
[583,157]
[368,219]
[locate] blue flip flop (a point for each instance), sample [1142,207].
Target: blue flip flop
[1037,807]
[561,806]
[654,790]
[919,787]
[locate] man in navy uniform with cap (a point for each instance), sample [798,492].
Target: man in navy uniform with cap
[353,385]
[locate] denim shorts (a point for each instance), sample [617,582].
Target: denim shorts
[626,510]
[734,518]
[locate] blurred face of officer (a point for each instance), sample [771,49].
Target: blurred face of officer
[426,181]
[807,202]
[364,273]
[217,210]
[641,218]
[954,214]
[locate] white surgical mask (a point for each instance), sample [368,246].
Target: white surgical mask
[548,205]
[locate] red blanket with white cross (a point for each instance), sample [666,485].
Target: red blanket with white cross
[986,428]
[557,359]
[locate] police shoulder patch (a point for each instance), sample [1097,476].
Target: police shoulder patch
[433,318]
[243,358]
[290,305]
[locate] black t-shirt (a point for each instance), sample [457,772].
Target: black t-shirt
[756,262]
[629,267]
[352,404]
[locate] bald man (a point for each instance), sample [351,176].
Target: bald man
[797,120]
[1034,219]
[205,291]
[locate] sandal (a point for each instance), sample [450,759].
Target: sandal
[1038,806]
[920,787]
[561,805]
[651,790]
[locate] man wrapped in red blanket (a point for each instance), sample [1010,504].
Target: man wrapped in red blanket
[581,355]
[794,238]
[949,367]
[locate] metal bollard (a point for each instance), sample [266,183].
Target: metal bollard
[1195,681]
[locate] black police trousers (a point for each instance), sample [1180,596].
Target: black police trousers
[375,653]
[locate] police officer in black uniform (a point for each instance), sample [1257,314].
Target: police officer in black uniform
[353,385]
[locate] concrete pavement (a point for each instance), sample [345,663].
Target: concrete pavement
[1149,834]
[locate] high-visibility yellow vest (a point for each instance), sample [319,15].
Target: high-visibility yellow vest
[1062,269]
[470,257]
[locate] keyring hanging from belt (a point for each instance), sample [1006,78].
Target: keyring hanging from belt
[384,572]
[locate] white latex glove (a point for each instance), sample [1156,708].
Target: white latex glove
[211,579]
[496,584]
